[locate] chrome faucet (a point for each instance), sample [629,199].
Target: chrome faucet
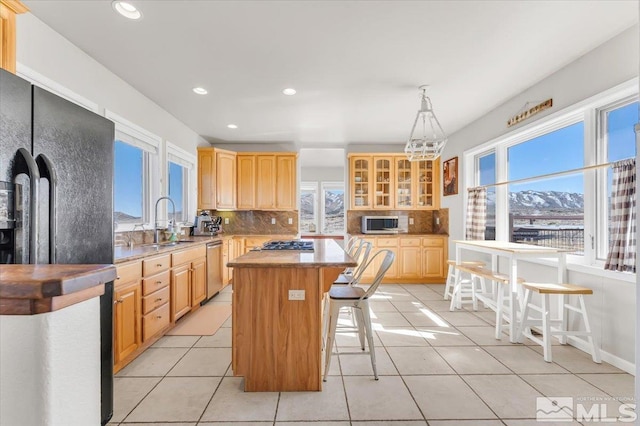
[156,230]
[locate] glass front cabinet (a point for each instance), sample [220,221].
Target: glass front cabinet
[391,182]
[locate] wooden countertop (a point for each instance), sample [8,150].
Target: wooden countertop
[36,289]
[326,253]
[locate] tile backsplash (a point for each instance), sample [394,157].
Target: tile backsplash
[424,221]
[258,222]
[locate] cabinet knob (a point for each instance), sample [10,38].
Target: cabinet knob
[158,282]
[159,317]
[159,299]
[118,277]
[158,264]
[119,301]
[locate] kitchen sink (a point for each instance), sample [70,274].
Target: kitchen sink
[167,244]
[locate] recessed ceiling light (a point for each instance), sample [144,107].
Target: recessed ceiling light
[200,90]
[126,9]
[232,126]
[289,91]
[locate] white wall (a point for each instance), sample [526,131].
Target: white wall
[46,52]
[612,306]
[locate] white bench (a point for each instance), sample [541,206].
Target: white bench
[545,322]
[451,275]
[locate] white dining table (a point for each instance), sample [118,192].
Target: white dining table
[513,252]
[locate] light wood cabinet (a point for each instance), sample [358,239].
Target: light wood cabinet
[286,182]
[199,281]
[246,166]
[216,179]
[8,11]
[127,333]
[225,179]
[206,178]
[265,182]
[180,291]
[391,182]
[418,259]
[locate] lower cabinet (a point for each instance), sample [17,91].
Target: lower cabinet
[198,281]
[180,291]
[188,280]
[127,333]
[418,259]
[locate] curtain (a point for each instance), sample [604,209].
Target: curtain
[476,213]
[622,221]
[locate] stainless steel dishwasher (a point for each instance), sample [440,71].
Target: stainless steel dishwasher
[214,269]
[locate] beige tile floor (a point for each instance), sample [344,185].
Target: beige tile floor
[436,368]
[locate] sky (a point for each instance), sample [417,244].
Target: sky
[563,150]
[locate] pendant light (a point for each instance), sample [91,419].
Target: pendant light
[427,139]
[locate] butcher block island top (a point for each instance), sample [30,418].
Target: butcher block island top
[277,315]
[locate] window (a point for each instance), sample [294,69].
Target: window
[548,211]
[322,207]
[136,180]
[487,175]
[332,208]
[180,167]
[553,196]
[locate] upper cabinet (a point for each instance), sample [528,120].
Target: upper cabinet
[8,11]
[391,182]
[247,180]
[216,179]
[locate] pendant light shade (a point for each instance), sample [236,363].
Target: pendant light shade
[427,139]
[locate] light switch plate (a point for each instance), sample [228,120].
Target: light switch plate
[290,221]
[410,221]
[296,294]
[226,220]
[273,220]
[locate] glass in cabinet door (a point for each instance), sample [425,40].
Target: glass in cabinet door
[382,184]
[404,184]
[361,183]
[425,175]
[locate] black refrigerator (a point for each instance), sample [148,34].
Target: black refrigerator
[56,192]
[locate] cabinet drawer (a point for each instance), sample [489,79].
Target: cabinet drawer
[155,321]
[188,255]
[155,265]
[155,283]
[387,242]
[433,242]
[155,300]
[128,272]
[410,242]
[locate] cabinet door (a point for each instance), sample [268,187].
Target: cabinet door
[403,183]
[360,182]
[206,178]
[225,180]
[433,262]
[410,262]
[180,291]
[266,181]
[383,183]
[427,189]
[246,181]
[286,182]
[127,313]
[225,260]
[198,281]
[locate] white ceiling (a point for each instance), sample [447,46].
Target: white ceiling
[355,64]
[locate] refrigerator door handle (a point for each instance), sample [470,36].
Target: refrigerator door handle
[24,163]
[45,166]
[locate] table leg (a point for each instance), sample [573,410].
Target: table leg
[515,300]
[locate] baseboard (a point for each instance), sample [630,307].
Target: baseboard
[618,362]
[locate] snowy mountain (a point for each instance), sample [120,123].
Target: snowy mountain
[532,201]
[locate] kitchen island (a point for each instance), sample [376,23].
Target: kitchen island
[277,315]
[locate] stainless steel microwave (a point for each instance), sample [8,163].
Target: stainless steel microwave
[380,225]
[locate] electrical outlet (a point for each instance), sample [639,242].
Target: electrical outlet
[290,221]
[273,220]
[410,221]
[437,221]
[226,220]
[296,294]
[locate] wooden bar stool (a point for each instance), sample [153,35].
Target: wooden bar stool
[451,276]
[563,290]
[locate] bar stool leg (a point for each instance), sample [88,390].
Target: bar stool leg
[499,312]
[360,324]
[546,327]
[595,351]
[333,323]
[525,316]
[367,323]
[448,286]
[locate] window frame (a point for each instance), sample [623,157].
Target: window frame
[588,111]
[315,187]
[132,134]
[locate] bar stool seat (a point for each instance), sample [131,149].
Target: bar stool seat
[563,290]
[450,283]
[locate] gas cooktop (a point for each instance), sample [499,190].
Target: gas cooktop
[289,245]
